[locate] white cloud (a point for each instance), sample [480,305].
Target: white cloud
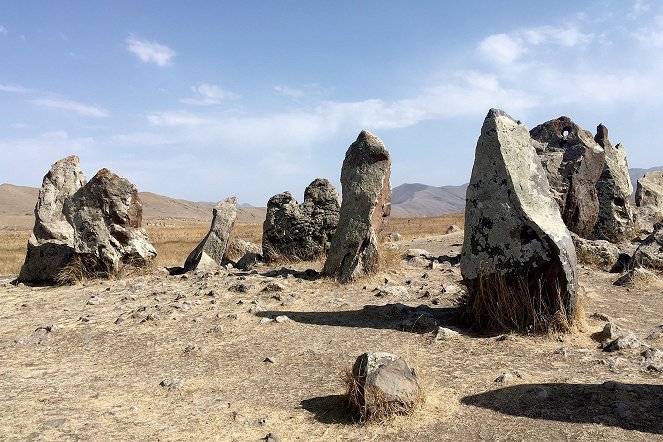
[651,35]
[150,51]
[502,48]
[209,94]
[175,118]
[3,30]
[289,91]
[14,88]
[69,105]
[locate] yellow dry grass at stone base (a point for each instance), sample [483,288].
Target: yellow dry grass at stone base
[13,245]
[421,227]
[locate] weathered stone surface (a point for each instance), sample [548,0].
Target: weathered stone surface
[365,209]
[107,215]
[50,247]
[600,253]
[238,247]
[573,162]
[383,384]
[212,248]
[99,222]
[649,201]
[615,222]
[649,253]
[518,260]
[301,231]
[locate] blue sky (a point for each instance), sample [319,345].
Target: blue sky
[202,100]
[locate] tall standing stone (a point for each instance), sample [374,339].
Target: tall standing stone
[518,260]
[365,208]
[211,249]
[649,200]
[573,162]
[615,221]
[295,231]
[50,247]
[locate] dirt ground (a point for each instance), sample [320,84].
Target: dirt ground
[166,358]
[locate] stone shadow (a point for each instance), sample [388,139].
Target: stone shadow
[329,410]
[421,319]
[629,406]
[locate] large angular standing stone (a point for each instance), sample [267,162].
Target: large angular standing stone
[573,162]
[649,200]
[294,231]
[211,249]
[107,215]
[365,208]
[50,247]
[98,222]
[518,260]
[615,221]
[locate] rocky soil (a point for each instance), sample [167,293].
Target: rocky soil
[237,355]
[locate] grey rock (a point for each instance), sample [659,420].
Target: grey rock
[446,334]
[172,383]
[414,253]
[615,222]
[610,332]
[634,275]
[514,235]
[656,334]
[507,376]
[649,200]
[599,253]
[249,261]
[573,162]
[237,248]
[383,384]
[281,319]
[294,231]
[365,209]
[54,423]
[210,251]
[453,229]
[393,291]
[394,237]
[649,253]
[623,342]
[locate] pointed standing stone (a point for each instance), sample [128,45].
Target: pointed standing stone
[518,260]
[649,200]
[365,208]
[211,249]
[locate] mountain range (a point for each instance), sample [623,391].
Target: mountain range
[408,200]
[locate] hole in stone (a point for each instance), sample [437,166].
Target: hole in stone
[565,134]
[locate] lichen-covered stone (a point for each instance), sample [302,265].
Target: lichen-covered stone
[365,208]
[295,231]
[573,162]
[212,248]
[615,222]
[515,238]
[649,253]
[649,200]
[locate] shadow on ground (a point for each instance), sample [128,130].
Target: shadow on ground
[421,319]
[330,409]
[628,406]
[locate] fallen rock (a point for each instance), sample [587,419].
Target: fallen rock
[294,231]
[573,162]
[597,253]
[453,229]
[382,384]
[248,261]
[615,222]
[209,253]
[415,253]
[635,275]
[446,334]
[623,342]
[237,248]
[365,208]
[649,253]
[516,246]
[508,376]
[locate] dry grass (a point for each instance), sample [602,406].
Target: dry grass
[421,227]
[13,244]
[498,303]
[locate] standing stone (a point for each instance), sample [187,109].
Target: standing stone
[50,247]
[573,162]
[518,260]
[649,200]
[615,221]
[211,249]
[294,231]
[107,215]
[98,222]
[650,251]
[365,209]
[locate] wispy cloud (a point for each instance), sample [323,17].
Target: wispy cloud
[175,118]
[3,30]
[16,89]
[69,105]
[150,51]
[208,94]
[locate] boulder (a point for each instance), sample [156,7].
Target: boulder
[98,222]
[615,222]
[649,253]
[573,162]
[600,253]
[50,247]
[238,247]
[518,260]
[364,211]
[293,231]
[382,384]
[210,251]
[649,200]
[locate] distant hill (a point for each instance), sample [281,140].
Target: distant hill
[21,200]
[420,200]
